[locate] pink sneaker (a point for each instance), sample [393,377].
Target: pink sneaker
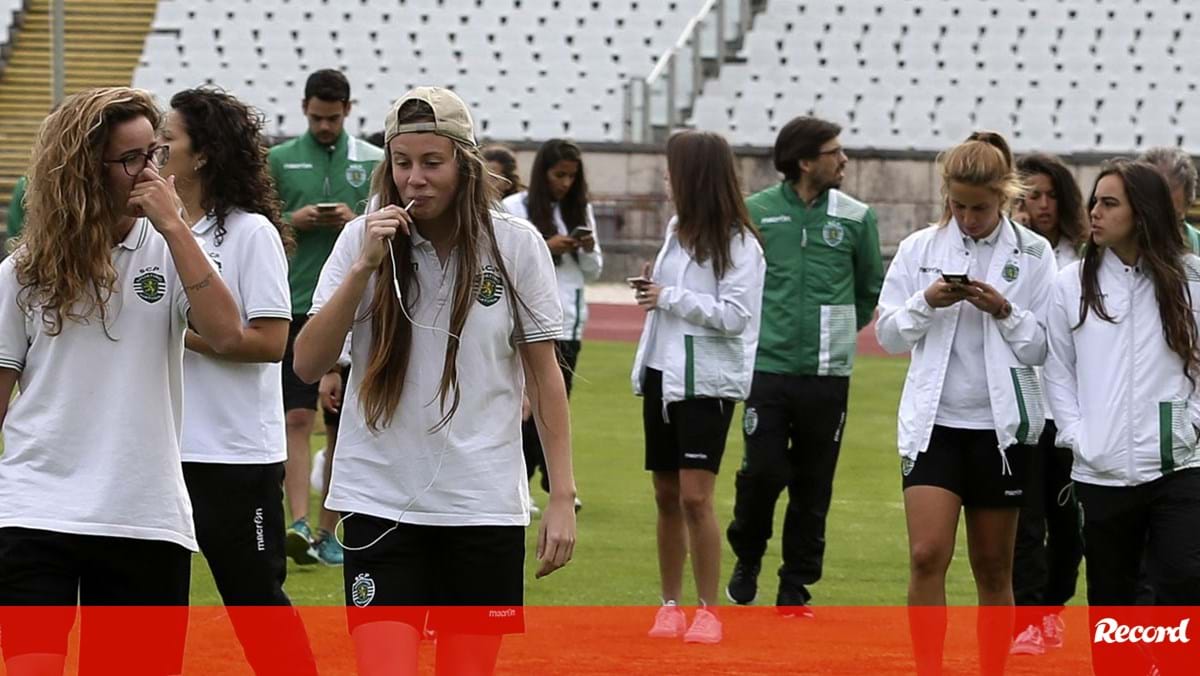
[1053,629]
[706,628]
[669,622]
[1029,642]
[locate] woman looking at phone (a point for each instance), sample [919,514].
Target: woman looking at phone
[694,363]
[967,297]
[557,204]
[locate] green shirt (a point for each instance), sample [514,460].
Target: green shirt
[824,273]
[16,208]
[307,172]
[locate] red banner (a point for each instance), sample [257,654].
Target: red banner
[612,640]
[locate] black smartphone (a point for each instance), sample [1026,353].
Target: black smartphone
[580,232]
[952,278]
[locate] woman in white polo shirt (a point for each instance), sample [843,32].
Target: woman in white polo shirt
[967,297]
[234,445]
[556,202]
[93,307]
[694,363]
[1124,363]
[428,473]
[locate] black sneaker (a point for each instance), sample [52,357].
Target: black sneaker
[793,602]
[743,584]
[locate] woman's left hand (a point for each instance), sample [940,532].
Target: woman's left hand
[556,535]
[985,297]
[647,296]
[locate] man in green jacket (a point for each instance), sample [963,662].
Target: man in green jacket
[1176,165]
[324,181]
[823,278]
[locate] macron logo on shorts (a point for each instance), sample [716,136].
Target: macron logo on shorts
[259,540]
[696,456]
[1109,630]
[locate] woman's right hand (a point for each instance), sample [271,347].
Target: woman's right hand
[381,226]
[561,244]
[944,294]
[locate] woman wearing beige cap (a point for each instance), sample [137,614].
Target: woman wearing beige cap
[454,310]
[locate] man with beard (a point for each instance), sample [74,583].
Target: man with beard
[823,278]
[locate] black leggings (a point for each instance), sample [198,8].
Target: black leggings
[535,457]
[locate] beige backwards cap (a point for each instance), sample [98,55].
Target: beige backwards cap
[450,116]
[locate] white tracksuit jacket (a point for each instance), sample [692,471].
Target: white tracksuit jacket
[573,271]
[706,330]
[1022,270]
[1119,395]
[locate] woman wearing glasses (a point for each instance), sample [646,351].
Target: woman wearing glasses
[93,308]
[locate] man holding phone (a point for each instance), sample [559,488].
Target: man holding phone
[324,180]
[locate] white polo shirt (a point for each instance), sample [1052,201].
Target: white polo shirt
[91,446]
[475,463]
[233,411]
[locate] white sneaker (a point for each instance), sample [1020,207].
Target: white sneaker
[1029,642]
[669,622]
[1053,629]
[706,628]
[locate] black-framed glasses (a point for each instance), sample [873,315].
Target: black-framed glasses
[832,151]
[134,162]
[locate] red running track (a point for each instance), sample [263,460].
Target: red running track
[608,321]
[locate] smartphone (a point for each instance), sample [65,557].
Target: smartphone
[580,232]
[326,207]
[951,278]
[637,282]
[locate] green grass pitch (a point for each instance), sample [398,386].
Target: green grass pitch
[866,559]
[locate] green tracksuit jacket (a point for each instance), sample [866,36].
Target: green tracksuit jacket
[307,172]
[824,273]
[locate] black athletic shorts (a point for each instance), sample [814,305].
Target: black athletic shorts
[296,392]
[58,571]
[969,464]
[689,434]
[455,579]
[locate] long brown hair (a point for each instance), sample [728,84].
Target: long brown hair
[709,206]
[391,331]
[64,261]
[1071,218]
[236,173]
[507,160]
[1161,249]
[540,204]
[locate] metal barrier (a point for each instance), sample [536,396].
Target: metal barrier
[653,104]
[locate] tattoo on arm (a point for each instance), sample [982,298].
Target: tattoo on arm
[200,284]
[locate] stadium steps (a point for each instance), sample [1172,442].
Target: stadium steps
[104,41]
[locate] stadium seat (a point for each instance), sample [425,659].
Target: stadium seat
[857,61]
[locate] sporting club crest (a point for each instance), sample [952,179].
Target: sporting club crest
[356,175]
[1011,271]
[833,233]
[150,286]
[906,466]
[750,422]
[363,590]
[489,287]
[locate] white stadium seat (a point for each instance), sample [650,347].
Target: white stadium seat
[902,75]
